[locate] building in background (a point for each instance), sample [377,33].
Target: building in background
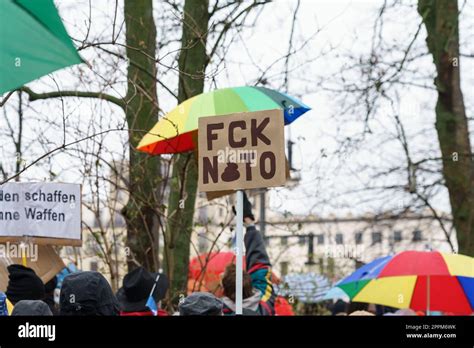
[331,246]
[336,246]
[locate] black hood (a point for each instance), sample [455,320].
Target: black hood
[87,293]
[201,303]
[31,308]
[23,284]
[51,285]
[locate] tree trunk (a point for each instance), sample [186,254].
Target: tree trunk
[441,21]
[192,66]
[141,111]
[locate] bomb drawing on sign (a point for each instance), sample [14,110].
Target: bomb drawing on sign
[241,150]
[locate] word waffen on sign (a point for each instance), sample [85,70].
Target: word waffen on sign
[241,151]
[51,210]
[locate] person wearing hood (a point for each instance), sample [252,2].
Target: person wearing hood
[87,294]
[339,308]
[134,295]
[31,308]
[258,293]
[23,284]
[201,303]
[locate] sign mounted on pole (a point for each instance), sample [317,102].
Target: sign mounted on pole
[241,151]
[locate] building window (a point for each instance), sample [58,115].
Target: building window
[339,238]
[284,241]
[320,239]
[358,238]
[202,217]
[93,266]
[283,268]
[397,236]
[310,249]
[202,242]
[119,221]
[376,237]
[301,240]
[417,236]
[321,265]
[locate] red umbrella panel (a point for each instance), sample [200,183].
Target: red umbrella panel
[205,271]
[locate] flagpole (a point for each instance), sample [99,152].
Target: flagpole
[154,285]
[239,247]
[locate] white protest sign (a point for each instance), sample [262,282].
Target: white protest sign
[50,210]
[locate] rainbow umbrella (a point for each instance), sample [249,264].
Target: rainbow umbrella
[420,280]
[176,131]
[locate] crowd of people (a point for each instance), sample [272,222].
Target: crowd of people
[88,293]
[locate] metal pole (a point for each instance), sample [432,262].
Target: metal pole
[239,248]
[262,216]
[428,295]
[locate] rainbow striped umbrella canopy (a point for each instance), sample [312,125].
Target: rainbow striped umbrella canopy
[176,131]
[420,280]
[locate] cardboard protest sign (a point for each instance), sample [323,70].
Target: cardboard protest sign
[43,259]
[50,210]
[241,151]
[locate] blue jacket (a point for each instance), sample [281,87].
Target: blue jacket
[3,304]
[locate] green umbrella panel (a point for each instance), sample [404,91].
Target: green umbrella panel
[33,42]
